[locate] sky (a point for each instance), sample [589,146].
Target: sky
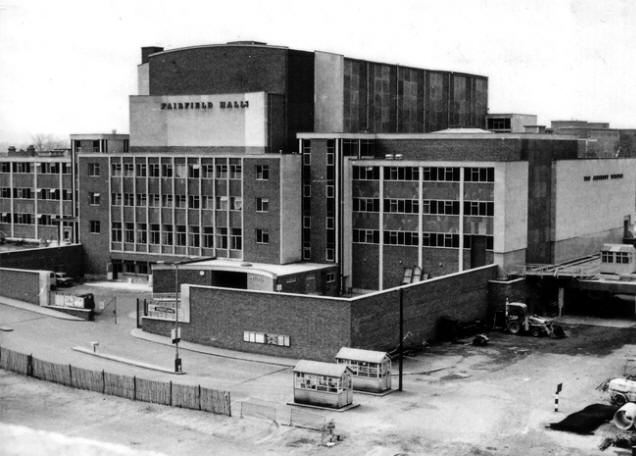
[69,66]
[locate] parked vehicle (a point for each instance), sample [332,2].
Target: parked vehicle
[623,389]
[517,320]
[63,280]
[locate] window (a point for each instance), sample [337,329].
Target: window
[407,238]
[141,170]
[129,199]
[5,167]
[306,221]
[221,171]
[208,171]
[401,206]
[22,219]
[616,176]
[235,239]
[166,200]
[167,235]
[129,232]
[364,236]
[129,169]
[181,235]
[236,203]
[479,174]
[262,338]
[93,169]
[222,203]
[307,190]
[262,172]
[331,277]
[402,173]
[330,254]
[181,170]
[153,170]
[141,199]
[236,171]
[141,233]
[93,199]
[262,236]
[179,201]
[208,237]
[440,174]
[115,170]
[262,204]
[154,200]
[366,173]
[221,238]
[194,236]
[480,208]
[193,201]
[207,202]
[166,170]
[155,237]
[116,231]
[22,167]
[194,171]
[94,226]
[116,199]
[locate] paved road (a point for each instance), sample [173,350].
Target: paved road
[51,339]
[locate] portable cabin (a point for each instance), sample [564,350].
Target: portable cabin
[371,369]
[322,384]
[618,259]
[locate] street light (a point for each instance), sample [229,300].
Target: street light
[176,332]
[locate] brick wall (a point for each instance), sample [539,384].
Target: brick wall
[319,326]
[21,284]
[462,296]
[67,259]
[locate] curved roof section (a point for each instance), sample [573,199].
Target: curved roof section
[259,44]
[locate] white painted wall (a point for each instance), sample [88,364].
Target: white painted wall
[239,127]
[587,207]
[511,206]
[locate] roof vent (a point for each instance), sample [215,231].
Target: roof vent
[248,43]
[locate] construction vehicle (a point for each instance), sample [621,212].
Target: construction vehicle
[623,389]
[518,321]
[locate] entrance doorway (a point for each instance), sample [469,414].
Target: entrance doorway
[229,279]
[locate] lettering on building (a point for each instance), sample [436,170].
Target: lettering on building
[204,105]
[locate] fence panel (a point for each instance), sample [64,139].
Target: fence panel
[52,372]
[153,391]
[119,385]
[259,410]
[87,379]
[14,361]
[216,401]
[186,396]
[305,419]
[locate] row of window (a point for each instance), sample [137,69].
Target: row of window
[41,193]
[616,257]
[207,171]
[232,203]
[429,207]
[29,219]
[429,173]
[411,238]
[28,167]
[263,338]
[600,177]
[153,234]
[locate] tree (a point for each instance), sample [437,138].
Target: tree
[45,142]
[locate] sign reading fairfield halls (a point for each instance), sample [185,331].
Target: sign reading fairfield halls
[229,120]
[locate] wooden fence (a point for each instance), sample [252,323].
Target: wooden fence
[192,397]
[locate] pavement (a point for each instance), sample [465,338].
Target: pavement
[37,309]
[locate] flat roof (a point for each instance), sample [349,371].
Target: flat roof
[320,368]
[244,266]
[358,354]
[489,135]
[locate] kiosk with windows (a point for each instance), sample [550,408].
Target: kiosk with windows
[371,369]
[322,384]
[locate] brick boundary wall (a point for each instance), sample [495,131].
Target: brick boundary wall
[25,285]
[318,326]
[67,258]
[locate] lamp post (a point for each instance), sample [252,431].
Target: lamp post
[176,338]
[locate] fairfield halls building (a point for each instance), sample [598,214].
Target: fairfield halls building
[214,170]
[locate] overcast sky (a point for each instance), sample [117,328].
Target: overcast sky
[68,66]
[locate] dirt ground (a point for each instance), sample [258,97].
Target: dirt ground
[458,399]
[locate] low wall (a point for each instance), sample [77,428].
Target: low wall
[66,258]
[26,285]
[318,326]
[462,296]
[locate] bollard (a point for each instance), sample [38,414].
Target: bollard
[556,397]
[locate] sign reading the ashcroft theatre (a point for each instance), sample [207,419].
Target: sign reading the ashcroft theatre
[204,105]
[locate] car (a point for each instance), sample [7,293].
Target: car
[63,280]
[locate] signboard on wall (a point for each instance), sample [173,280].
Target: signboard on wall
[231,120]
